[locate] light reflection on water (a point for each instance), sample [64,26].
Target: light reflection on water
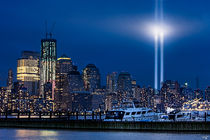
[31,133]
[35,134]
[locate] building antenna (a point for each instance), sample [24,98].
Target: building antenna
[46,29]
[52,28]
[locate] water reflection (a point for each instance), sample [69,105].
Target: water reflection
[36,134]
[31,133]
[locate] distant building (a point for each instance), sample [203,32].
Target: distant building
[124,86]
[81,101]
[111,100]
[10,78]
[91,77]
[28,71]
[63,67]
[171,94]
[199,94]
[98,99]
[187,92]
[111,82]
[48,65]
[207,94]
[75,81]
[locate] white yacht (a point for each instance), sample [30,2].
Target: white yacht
[129,112]
[189,115]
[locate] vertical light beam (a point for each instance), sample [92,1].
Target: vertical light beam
[161,46]
[156,49]
[161,59]
[156,62]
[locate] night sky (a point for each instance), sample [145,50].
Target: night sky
[112,35]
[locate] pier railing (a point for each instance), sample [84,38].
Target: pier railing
[86,115]
[60,115]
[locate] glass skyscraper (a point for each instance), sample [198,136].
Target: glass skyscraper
[48,67]
[91,77]
[62,96]
[28,71]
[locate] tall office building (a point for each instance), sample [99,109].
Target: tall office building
[63,67]
[28,71]
[171,94]
[91,77]
[10,79]
[75,81]
[187,92]
[111,82]
[124,85]
[48,68]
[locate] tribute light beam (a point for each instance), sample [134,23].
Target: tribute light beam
[158,31]
[161,46]
[161,59]
[155,31]
[156,62]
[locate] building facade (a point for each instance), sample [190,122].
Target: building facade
[124,86]
[111,82]
[171,95]
[48,66]
[91,77]
[63,67]
[28,71]
[207,94]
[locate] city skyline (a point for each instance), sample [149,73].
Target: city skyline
[91,38]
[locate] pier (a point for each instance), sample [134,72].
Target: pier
[101,125]
[92,121]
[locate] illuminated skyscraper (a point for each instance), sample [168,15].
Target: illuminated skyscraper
[91,77]
[171,94]
[75,81]
[63,67]
[48,67]
[10,79]
[124,85]
[28,71]
[111,82]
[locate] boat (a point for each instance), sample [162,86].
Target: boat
[128,111]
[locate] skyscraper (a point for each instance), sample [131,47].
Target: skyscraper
[75,81]
[10,78]
[111,82]
[91,77]
[63,67]
[124,85]
[28,71]
[48,66]
[171,94]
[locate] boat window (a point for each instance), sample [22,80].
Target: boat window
[133,113]
[143,112]
[149,111]
[127,113]
[114,115]
[179,116]
[138,113]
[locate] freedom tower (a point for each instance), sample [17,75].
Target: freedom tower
[48,67]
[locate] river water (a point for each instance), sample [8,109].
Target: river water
[37,134]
